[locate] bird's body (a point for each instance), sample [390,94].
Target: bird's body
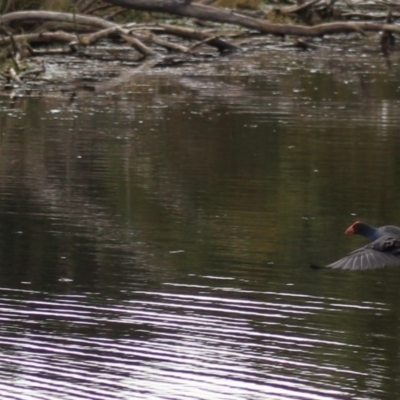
[383,251]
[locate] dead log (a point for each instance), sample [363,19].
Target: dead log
[40,37]
[188,33]
[107,27]
[137,44]
[147,35]
[95,37]
[39,16]
[204,12]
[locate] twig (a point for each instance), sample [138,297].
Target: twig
[198,44]
[148,35]
[136,43]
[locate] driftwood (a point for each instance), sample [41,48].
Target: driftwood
[203,12]
[153,43]
[187,33]
[208,13]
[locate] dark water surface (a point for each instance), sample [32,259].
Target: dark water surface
[155,238]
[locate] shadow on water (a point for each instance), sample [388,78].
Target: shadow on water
[156,241]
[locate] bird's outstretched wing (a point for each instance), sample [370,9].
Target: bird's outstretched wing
[383,252]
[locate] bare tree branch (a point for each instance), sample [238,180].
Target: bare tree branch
[204,12]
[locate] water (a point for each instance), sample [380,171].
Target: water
[155,239]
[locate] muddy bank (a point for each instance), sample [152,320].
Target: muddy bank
[89,53]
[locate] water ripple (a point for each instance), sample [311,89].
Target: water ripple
[172,345]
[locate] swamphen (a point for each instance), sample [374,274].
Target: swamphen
[383,251]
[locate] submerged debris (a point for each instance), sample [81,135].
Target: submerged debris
[207,32]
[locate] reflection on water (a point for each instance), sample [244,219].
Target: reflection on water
[174,344]
[155,242]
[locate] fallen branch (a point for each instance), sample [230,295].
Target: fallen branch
[95,37]
[147,35]
[147,39]
[198,44]
[107,29]
[40,37]
[137,44]
[203,12]
[40,16]
[188,33]
[41,68]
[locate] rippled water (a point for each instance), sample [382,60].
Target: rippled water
[155,239]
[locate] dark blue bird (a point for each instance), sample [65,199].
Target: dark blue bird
[383,251]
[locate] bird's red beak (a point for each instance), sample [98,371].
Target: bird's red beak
[349,231]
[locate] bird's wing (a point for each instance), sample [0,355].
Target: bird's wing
[383,252]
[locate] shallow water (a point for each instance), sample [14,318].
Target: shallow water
[155,238]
